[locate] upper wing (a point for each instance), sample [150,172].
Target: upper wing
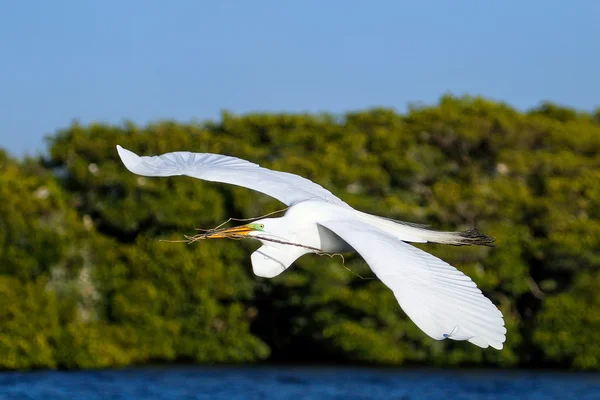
[441,300]
[285,187]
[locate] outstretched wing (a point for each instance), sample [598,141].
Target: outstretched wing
[441,300]
[285,187]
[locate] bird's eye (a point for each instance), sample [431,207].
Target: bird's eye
[262,226]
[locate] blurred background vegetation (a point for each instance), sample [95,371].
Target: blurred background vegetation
[86,283]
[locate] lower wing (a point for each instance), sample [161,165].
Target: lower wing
[438,298]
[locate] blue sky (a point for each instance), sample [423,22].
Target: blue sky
[146,60]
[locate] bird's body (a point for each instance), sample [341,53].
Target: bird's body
[440,299]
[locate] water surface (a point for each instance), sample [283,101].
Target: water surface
[296,383]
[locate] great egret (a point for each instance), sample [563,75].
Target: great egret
[442,301]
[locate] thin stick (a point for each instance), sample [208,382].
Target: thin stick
[242,220]
[207,233]
[192,239]
[319,252]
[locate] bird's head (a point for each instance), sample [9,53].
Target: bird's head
[266,226]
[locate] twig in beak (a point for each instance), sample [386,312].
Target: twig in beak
[231,233]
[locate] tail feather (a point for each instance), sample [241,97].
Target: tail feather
[462,238]
[473,236]
[409,232]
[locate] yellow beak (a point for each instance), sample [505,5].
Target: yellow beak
[229,232]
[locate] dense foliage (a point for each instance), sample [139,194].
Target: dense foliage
[85,281]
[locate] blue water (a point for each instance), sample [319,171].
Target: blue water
[297,383]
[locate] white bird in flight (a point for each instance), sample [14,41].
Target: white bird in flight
[442,301]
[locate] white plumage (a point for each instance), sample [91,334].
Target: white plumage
[287,188]
[438,298]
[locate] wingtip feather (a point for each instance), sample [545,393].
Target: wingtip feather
[486,343]
[129,158]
